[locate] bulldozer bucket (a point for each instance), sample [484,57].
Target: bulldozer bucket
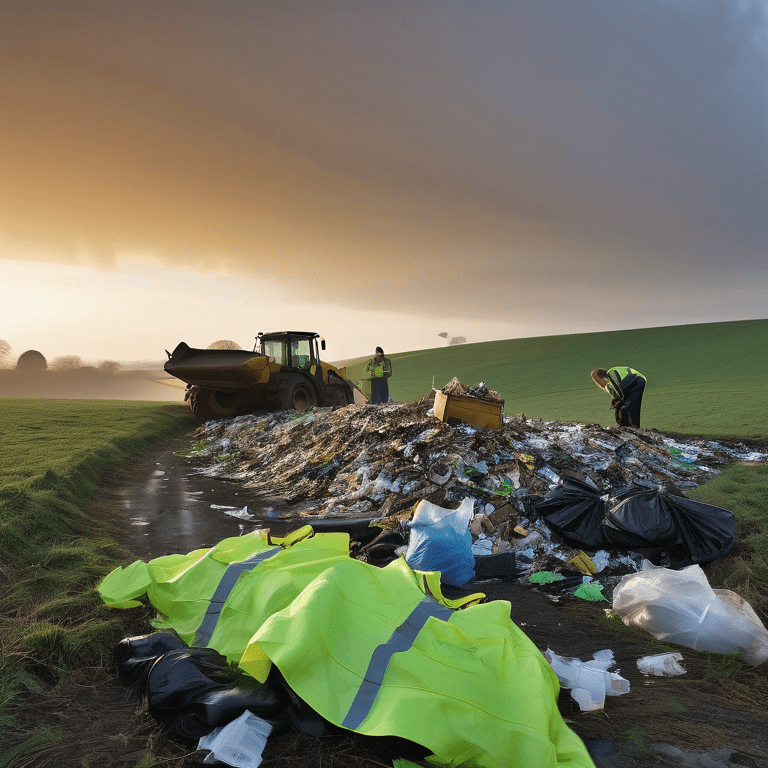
[220,369]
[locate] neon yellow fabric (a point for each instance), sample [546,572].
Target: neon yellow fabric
[468,684]
[473,689]
[180,586]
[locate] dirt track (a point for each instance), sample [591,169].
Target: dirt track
[715,722]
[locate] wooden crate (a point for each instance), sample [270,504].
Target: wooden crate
[483,414]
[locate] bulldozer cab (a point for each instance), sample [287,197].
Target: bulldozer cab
[292,349]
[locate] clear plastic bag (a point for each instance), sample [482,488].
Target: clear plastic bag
[440,540]
[680,607]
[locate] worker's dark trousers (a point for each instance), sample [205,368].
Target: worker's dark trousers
[379,391]
[628,412]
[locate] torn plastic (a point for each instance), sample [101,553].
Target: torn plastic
[681,607]
[591,591]
[589,681]
[440,541]
[662,665]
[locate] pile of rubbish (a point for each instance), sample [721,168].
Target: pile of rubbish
[366,462]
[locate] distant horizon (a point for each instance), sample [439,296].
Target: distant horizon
[158,362]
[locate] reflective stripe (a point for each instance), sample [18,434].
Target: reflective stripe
[402,639]
[227,583]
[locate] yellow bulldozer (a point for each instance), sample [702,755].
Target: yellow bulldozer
[283,372]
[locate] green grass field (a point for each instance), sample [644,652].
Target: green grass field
[707,379]
[52,454]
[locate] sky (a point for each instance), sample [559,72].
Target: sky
[377,172]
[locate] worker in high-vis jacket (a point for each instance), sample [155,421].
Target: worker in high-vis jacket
[378,370]
[625,385]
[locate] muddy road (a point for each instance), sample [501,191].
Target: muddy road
[712,717]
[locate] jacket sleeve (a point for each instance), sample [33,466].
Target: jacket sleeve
[368,370]
[613,388]
[387,367]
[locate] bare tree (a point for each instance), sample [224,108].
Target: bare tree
[109,366]
[5,354]
[32,360]
[67,363]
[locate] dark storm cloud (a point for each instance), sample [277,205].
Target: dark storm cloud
[445,152]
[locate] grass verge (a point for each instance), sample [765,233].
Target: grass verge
[51,554]
[742,488]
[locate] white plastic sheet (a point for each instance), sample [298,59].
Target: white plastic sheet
[681,607]
[239,743]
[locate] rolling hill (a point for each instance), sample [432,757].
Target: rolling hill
[705,379]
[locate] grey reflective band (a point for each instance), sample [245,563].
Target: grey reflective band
[227,583]
[402,639]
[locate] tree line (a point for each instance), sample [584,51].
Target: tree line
[33,360]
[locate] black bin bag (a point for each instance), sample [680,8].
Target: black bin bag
[574,509]
[198,688]
[135,655]
[654,522]
[195,689]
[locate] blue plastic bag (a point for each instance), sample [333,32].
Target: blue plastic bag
[440,541]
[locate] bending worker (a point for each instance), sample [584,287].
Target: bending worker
[378,369]
[625,386]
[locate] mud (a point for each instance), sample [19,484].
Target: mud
[170,507]
[167,505]
[712,717]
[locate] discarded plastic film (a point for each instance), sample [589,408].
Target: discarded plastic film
[680,607]
[592,592]
[662,665]
[589,681]
[239,743]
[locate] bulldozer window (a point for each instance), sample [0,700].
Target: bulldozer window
[301,353]
[277,350]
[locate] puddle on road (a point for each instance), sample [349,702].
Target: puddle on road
[173,509]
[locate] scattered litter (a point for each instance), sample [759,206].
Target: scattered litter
[592,591]
[582,562]
[680,607]
[588,681]
[662,665]
[240,512]
[601,560]
[239,743]
[545,577]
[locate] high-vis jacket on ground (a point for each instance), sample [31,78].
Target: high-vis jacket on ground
[379,651]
